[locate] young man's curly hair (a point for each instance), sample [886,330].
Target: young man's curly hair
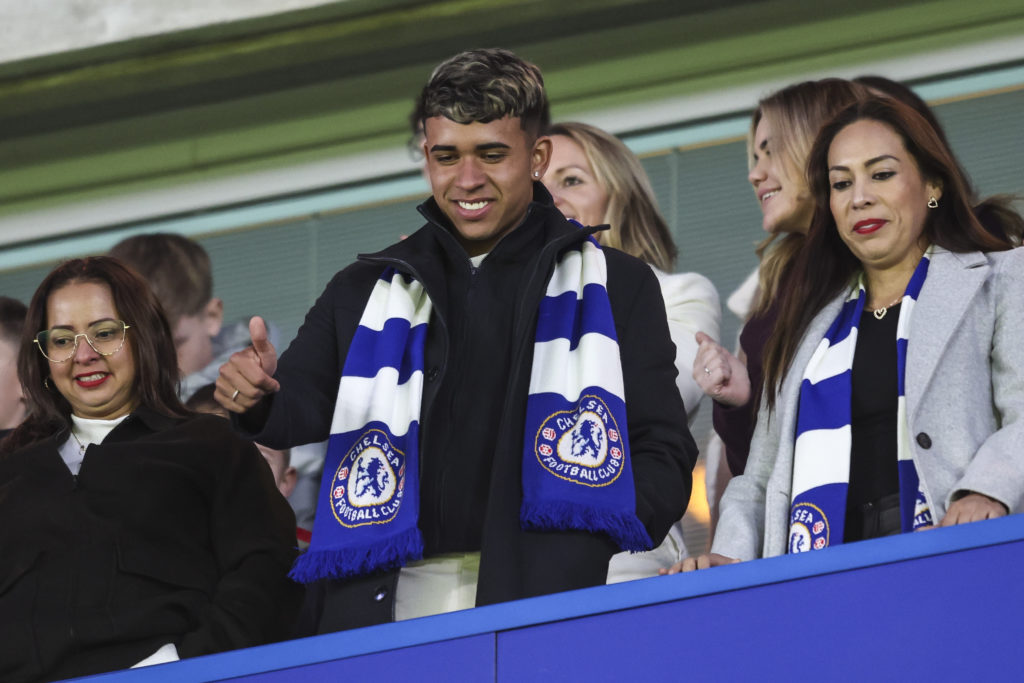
[485,85]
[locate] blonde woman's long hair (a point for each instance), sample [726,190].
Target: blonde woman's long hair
[797,113]
[637,227]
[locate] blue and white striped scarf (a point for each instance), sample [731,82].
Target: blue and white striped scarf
[821,461]
[576,471]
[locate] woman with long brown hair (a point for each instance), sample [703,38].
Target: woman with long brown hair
[894,382]
[134,531]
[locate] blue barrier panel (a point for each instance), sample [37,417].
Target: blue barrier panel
[949,617]
[938,605]
[454,661]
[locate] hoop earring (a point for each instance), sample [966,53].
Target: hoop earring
[933,203]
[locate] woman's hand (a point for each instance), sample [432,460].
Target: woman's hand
[719,374]
[972,508]
[700,562]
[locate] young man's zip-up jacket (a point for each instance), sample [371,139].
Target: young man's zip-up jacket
[478,357]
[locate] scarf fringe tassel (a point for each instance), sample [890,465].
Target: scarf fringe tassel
[355,561]
[625,529]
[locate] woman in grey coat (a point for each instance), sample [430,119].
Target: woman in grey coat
[894,386]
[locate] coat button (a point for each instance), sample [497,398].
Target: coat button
[433,373]
[380,593]
[924,441]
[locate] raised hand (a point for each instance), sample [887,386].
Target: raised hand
[719,374]
[248,375]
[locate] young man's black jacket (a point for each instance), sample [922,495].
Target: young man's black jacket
[478,357]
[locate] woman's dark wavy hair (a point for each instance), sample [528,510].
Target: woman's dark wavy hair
[996,212]
[148,339]
[826,266]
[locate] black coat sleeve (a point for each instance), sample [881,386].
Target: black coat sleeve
[309,370]
[662,450]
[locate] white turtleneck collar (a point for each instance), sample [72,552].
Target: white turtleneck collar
[84,432]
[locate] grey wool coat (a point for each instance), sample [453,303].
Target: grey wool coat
[965,402]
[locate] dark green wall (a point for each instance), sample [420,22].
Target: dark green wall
[278,270]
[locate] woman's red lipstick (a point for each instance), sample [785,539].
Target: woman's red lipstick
[91,383]
[868,225]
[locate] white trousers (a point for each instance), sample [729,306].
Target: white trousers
[444,583]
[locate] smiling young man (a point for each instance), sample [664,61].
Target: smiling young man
[499,392]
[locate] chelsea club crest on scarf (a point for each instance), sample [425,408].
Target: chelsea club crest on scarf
[370,482]
[582,445]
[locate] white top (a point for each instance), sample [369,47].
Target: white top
[84,432]
[741,301]
[167,653]
[692,306]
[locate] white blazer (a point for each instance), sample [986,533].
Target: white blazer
[965,402]
[691,305]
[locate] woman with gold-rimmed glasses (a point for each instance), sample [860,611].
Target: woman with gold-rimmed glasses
[106,337]
[133,530]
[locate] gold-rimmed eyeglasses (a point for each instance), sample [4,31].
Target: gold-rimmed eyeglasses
[106,337]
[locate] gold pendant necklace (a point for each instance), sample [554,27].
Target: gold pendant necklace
[880,312]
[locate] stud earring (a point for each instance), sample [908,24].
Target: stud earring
[933,203]
[536,174]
